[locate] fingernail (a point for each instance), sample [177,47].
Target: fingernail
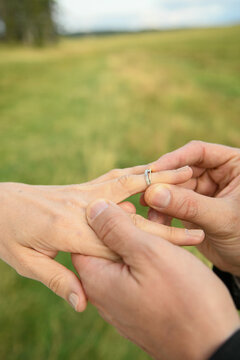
[196,233]
[161,197]
[73,299]
[96,209]
[153,215]
[184,168]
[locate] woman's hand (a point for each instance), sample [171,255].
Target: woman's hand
[210,200]
[38,221]
[161,297]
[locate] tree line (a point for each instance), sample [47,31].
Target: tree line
[28,21]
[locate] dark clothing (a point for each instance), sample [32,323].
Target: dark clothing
[228,280]
[230,350]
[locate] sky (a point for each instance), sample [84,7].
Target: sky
[89,15]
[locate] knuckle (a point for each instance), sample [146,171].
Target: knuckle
[170,233]
[115,173]
[187,209]
[125,183]
[124,180]
[200,147]
[58,222]
[57,219]
[109,228]
[55,282]
[72,203]
[52,229]
[196,143]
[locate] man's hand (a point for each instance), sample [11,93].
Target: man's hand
[161,297]
[210,200]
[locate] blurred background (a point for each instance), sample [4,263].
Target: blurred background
[87,86]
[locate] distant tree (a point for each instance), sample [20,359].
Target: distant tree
[28,21]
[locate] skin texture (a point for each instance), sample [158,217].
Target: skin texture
[210,200]
[161,297]
[38,221]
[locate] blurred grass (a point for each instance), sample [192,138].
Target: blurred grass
[71,113]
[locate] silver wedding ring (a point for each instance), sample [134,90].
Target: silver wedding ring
[148,176]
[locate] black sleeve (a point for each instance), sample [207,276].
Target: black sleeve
[230,350]
[230,283]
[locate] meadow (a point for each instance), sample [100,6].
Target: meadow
[71,112]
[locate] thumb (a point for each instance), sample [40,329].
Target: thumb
[185,204]
[114,227]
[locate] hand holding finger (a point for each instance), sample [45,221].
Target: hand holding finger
[120,188]
[185,204]
[116,173]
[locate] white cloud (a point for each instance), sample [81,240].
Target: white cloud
[82,15]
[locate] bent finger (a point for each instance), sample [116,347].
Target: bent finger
[55,276]
[195,153]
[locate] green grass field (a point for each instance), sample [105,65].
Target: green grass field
[71,113]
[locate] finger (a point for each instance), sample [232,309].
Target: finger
[187,205]
[128,207]
[160,218]
[142,201]
[174,235]
[190,184]
[202,182]
[76,239]
[121,188]
[55,276]
[195,153]
[116,173]
[115,228]
[205,185]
